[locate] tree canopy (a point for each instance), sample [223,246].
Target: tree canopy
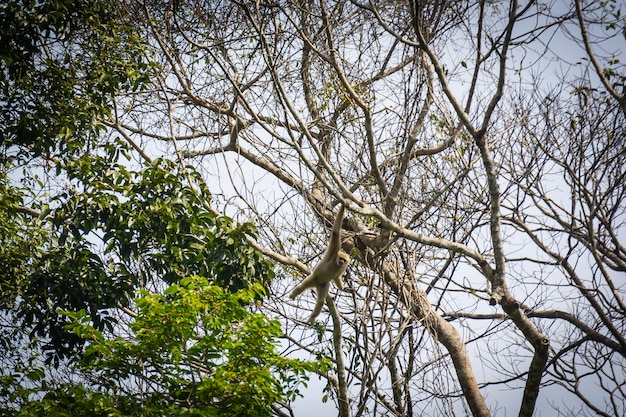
[172,169]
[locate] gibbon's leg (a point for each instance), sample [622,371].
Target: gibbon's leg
[322,292]
[308,282]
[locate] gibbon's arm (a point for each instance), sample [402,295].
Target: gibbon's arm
[335,238]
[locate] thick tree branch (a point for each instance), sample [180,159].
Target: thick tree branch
[343,396]
[443,332]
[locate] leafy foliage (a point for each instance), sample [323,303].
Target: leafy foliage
[16,241]
[197,345]
[203,349]
[126,230]
[60,64]
[194,339]
[116,236]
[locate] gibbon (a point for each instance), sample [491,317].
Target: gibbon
[330,268]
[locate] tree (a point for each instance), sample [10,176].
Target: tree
[483,185]
[193,346]
[195,349]
[61,64]
[122,261]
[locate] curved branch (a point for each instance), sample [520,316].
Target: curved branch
[596,64]
[264,164]
[278,257]
[441,74]
[586,292]
[117,126]
[374,167]
[502,70]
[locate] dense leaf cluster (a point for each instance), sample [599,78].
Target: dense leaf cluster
[61,62]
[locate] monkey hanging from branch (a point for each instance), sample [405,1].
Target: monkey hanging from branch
[330,268]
